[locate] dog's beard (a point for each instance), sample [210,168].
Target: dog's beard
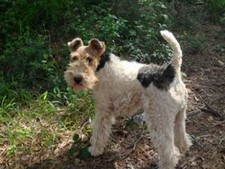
[88,82]
[92,80]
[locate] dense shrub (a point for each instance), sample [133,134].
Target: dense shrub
[27,65]
[217,6]
[141,40]
[217,9]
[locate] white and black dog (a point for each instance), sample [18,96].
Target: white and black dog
[121,88]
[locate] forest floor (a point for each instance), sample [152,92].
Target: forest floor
[130,146]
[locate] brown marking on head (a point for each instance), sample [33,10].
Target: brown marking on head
[75,44]
[93,51]
[83,63]
[97,45]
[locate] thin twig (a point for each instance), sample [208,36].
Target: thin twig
[217,98]
[210,110]
[130,149]
[84,124]
[217,124]
[193,112]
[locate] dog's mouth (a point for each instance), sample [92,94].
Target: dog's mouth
[78,86]
[78,83]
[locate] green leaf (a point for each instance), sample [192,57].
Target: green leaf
[84,154]
[76,138]
[73,150]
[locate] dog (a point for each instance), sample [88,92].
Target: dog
[121,88]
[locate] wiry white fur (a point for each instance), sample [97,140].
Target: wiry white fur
[166,112]
[118,87]
[177,52]
[119,93]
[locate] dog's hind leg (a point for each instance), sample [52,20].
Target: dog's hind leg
[160,125]
[182,139]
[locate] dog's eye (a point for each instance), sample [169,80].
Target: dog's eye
[73,58]
[89,60]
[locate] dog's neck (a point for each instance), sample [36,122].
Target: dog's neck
[104,58]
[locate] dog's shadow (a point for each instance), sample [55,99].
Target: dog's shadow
[65,161]
[105,161]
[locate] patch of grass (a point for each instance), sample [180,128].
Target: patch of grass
[79,110]
[34,132]
[6,107]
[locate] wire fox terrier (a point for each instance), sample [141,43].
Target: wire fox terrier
[121,88]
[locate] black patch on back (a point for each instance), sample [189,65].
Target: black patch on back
[104,58]
[161,76]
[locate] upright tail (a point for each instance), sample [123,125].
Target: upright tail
[176,60]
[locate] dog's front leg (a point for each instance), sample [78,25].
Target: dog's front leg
[101,132]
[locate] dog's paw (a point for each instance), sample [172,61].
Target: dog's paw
[95,151]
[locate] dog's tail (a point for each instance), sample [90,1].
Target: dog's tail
[176,60]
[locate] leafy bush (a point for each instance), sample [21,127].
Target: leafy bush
[217,6]
[26,64]
[140,39]
[28,61]
[95,22]
[130,29]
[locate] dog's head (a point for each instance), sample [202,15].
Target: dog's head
[84,60]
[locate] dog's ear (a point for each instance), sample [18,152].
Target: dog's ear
[75,44]
[97,45]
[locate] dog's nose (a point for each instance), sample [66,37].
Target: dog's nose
[77,79]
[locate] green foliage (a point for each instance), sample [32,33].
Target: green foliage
[32,125]
[94,19]
[7,107]
[84,154]
[29,61]
[195,43]
[76,138]
[34,14]
[220,49]
[80,105]
[140,39]
[78,148]
[217,6]
[27,65]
